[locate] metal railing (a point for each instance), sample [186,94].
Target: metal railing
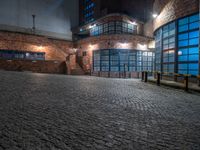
[158,76]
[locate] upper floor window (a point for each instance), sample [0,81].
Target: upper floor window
[114,27]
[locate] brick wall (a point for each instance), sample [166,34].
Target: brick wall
[58,67]
[173,9]
[56,53]
[54,49]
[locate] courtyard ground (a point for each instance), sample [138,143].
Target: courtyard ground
[58,112]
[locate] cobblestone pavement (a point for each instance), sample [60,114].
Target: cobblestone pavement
[57,112]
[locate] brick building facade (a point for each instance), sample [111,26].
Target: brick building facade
[176,30]
[55,52]
[113,36]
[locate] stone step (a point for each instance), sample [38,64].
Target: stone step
[77,71]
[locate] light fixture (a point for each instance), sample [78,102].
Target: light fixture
[124,45]
[40,47]
[180,53]
[133,23]
[92,26]
[142,46]
[155,15]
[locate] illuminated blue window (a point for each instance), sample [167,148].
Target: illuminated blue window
[194,41]
[194,34]
[194,25]
[183,21]
[183,43]
[183,28]
[188,42]
[194,50]
[183,36]
[194,18]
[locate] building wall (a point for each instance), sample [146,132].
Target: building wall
[54,18]
[148,28]
[173,9]
[58,67]
[91,44]
[53,49]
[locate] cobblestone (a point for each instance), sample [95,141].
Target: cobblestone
[57,112]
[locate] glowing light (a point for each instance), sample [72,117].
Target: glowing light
[142,47]
[75,50]
[40,47]
[155,15]
[93,47]
[133,23]
[92,26]
[27,54]
[124,45]
[180,52]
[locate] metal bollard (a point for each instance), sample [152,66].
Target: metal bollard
[198,78]
[186,83]
[98,73]
[142,75]
[158,79]
[146,76]
[138,75]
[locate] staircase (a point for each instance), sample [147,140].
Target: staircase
[77,71]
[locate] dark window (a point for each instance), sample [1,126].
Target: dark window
[13,54]
[84,53]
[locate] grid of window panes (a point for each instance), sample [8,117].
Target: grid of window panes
[113,27]
[139,61]
[133,61]
[104,60]
[13,54]
[147,61]
[96,60]
[116,60]
[187,54]
[188,45]
[168,34]
[158,50]
[88,11]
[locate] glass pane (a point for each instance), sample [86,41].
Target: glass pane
[183,21]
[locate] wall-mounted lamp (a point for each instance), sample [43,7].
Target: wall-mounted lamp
[40,47]
[92,26]
[133,23]
[155,15]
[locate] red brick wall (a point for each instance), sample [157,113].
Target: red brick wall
[170,10]
[54,49]
[56,53]
[58,67]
